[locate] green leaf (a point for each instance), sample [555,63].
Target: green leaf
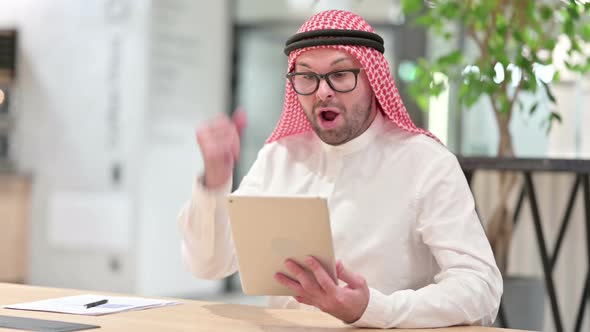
[530,84]
[452,58]
[450,10]
[424,20]
[573,66]
[522,62]
[463,90]
[568,27]
[546,12]
[481,12]
[501,24]
[533,108]
[573,11]
[531,39]
[422,102]
[518,36]
[412,6]
[437,26]
[586,32]
[575,46]
[553,117]
[504,104]
[530,8]
[549,44]
[469,94]
[549,92]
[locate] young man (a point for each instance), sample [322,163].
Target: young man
[411,248]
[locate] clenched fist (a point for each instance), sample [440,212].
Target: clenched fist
[219,142]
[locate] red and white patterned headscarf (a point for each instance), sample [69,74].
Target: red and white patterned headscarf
[293,120]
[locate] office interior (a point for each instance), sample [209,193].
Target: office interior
[99,101]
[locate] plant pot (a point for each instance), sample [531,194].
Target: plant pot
[523,303]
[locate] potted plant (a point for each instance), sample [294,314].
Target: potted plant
[511,39]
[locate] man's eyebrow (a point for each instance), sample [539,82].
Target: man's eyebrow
[303,64]
[338,61]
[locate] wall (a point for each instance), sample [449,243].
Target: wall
[381,11]
[109,94]
[189,82]
[63,135]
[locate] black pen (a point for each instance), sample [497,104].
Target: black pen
[94,304]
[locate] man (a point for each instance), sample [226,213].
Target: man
[412,251]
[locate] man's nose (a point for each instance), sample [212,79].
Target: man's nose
[324,90]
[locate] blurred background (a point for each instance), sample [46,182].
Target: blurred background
[99,101]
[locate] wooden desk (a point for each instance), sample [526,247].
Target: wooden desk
[189,316]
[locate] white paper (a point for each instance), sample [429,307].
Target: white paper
[89,220]
[75,304]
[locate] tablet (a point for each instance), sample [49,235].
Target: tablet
[269,229]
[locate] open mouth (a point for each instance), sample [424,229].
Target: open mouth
[329,119]
[328,116]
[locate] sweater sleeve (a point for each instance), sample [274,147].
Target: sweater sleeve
[468,287]
[206,241]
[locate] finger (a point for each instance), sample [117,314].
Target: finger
[217,152]
[309,283]
[221,121]
[213,131]
[234,142]
[322,277]
[220,139]
[289,283]
[353,280]
[226,132]
[303,300]
[221,131]
[240,119]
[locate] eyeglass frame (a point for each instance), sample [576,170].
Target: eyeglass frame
[320,77]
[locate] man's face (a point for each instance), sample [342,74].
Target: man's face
[336,117]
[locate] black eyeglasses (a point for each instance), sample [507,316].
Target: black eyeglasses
[306,83]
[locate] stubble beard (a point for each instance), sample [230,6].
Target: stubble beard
[354,124]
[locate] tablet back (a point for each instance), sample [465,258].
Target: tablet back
[269,229]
